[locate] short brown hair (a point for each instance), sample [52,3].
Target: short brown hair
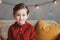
[20,6]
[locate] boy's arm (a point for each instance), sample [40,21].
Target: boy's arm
[32,35]
[10,37]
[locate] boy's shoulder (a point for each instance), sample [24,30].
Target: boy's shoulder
[30,25]
[12,25]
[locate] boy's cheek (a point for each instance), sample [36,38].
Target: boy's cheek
[25,18]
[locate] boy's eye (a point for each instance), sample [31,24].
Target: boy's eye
[17,15]
[23,15]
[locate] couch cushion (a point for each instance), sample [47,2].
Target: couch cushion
[46,31]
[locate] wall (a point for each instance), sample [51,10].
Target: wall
[46,12]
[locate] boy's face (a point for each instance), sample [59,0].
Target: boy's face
[21,16]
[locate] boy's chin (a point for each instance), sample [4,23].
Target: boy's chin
[21,23]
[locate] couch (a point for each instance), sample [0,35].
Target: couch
[47,31]
[4,26]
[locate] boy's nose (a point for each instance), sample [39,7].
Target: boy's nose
[20,17]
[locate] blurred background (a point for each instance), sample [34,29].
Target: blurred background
[39,9]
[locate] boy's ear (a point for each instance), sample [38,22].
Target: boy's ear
[28,14]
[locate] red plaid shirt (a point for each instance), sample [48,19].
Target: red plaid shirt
[24,32]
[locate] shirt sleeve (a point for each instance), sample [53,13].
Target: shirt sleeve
[32,34]
[10,37]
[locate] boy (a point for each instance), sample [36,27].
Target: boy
[21,29]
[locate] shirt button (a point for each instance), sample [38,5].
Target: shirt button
[21,29]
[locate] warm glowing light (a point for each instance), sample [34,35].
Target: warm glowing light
[55,2]
[0,1]
[36,6]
